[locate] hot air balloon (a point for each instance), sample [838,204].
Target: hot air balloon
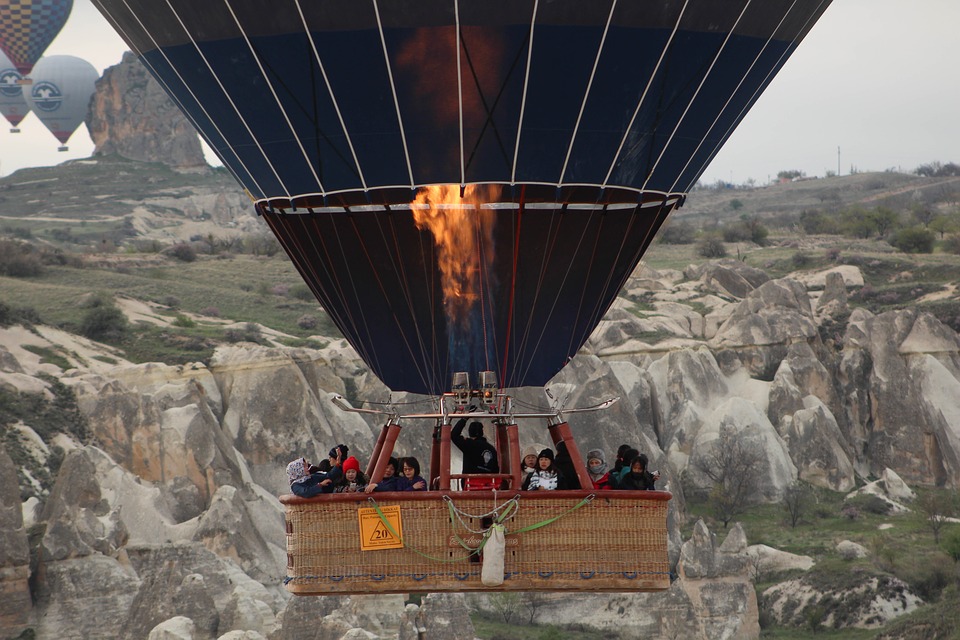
[466,185]
[27,27]
[13,106]
[60,94]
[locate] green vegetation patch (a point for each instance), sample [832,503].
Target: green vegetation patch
[48,356]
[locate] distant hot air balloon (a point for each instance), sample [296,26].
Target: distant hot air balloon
[60,94]
[13,105]
[367,129]
[27,27]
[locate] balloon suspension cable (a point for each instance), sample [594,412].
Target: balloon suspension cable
[483,403]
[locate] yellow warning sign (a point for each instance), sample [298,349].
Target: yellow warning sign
[374,534]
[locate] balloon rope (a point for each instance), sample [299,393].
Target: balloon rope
[513,289]
[483,307]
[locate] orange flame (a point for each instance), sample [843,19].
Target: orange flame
[463,234]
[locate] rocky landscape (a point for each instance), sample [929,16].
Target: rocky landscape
[139,500]
[164,518]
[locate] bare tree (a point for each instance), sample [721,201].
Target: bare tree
[796,501]
[506,604]
[534,602]
[733,466]
[935,507]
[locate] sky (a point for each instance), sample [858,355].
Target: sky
[874,86]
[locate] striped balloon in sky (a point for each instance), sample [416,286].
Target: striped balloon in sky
[27,27]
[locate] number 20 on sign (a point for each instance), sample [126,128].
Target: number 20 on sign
[374,534]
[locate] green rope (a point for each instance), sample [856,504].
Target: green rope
[531,527]
[396,535]
[486,537]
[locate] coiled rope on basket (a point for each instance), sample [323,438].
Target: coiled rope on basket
[503,512]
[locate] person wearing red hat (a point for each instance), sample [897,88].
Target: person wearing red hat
[353,479]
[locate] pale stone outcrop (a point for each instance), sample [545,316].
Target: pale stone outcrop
[132,116]
[775,471]
[770,318]
[900,376]
[869,602]
[814,441]
[890,488]
[851,550]
[162,423]
[247,525]
[70,589]
[270,428]
[833,301]
[727,277]
[711,597]
[765,560]
[15,601]
[175,628]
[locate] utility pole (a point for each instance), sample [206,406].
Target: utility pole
[838,161]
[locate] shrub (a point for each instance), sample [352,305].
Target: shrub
[183,252]
[183,321]
[280,290]
[212,312]
[951,244]
[870,503]
[800,260]
[677,233]
[712,247]
[307,322]
[172,302]
[301,292]
[914,240]
[104,323]
[21,264]
[249,333]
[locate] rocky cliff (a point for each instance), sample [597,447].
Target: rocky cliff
[130,115]
[164,517]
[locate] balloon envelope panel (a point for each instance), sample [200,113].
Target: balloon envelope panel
[27,27]
[336,95]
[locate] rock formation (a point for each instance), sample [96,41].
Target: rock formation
[130,115]
[165,520]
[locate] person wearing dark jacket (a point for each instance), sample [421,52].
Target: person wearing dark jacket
[637,477]
[479,456]
[568,473]
[391,479]
[411,479]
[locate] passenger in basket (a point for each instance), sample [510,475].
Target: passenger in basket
[637,477]
[479,456]
[617,477]
[353,480]
[620,463]
[547,476]
[568,473]
[335,459]
[307,481]
[411,480]
[391,479]
[597,468]
[528,464]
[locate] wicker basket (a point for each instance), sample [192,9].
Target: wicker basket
[599,541]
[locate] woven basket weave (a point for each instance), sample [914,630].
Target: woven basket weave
[615,542]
